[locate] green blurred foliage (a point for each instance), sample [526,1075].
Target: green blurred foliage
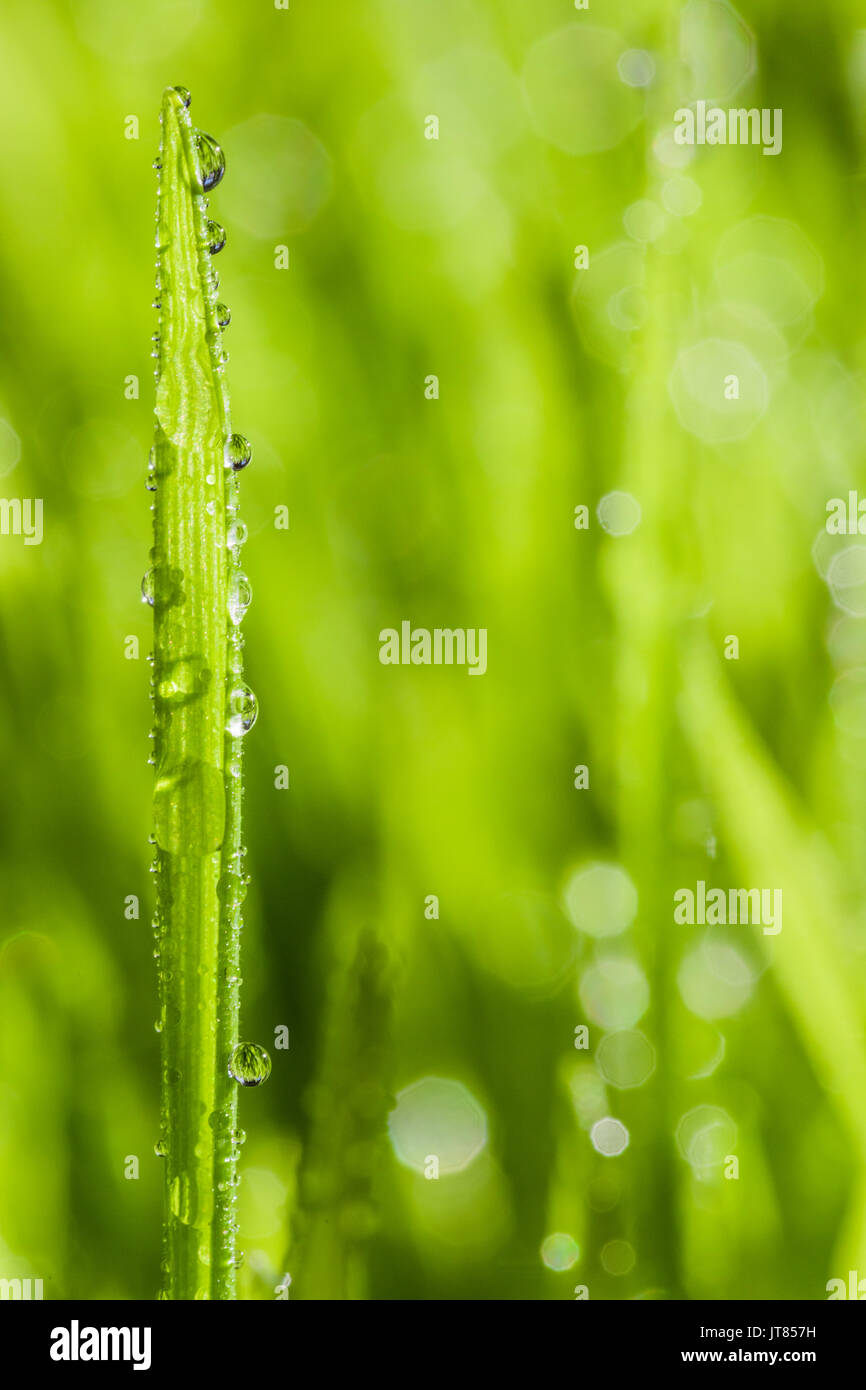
[453,257]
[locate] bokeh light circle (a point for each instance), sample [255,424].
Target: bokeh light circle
[617,1258]
[560,1251]
[609,1137]
[681,196]
[644,220]
[636,67]
[576,96]
[601,900]
[846,580]
[437,1117]
[715,980]
[701,386]
[618,513]
[705,1137]
[625,1059]
[280,176]
[614,992]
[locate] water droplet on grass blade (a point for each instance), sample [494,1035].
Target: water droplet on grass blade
[181,1198]
[243,711]
[240,596]
[211,161]
[231,890]
[216,236]
[162,586]
[238,452]
[185,680]
[249,1064]
[224,315]
[184,95]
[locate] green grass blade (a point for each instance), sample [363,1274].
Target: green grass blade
[197,670]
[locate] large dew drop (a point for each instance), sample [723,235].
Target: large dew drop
[239,597]
[184,95]
[223,315]
[243,711]
[231,890]
[216,236]
[189,810]
[211,161]
[249,1064]
[238,452]
[184,681]
[181,1196]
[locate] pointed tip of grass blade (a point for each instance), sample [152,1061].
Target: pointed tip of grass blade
[173,99]
[177,125]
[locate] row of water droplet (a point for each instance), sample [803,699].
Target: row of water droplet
[241,703]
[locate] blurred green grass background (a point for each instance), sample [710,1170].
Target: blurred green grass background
[454,257]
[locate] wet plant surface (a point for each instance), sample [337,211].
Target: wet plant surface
[203,709]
